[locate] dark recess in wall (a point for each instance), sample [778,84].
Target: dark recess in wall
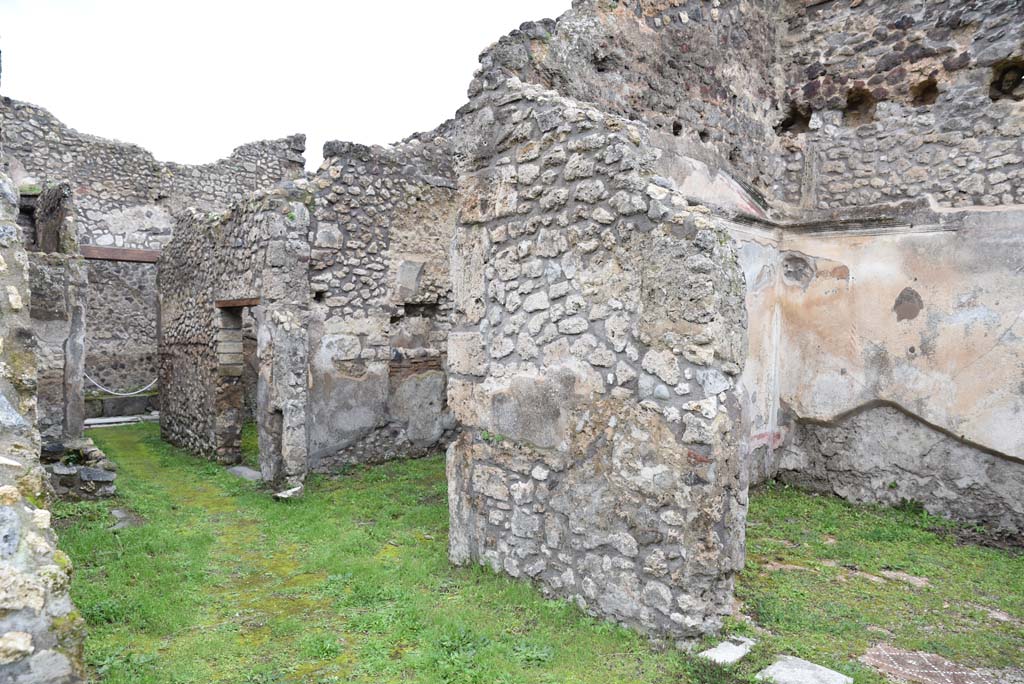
[796,121]
[1008,80]
[924,93]
[860,107]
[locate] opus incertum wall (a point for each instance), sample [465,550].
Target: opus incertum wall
[125,198]
[253,256]
[599,330]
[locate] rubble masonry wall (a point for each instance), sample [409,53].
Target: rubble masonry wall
[905,103]
[41,633]
[382,304]
[599,329]
[257,251]
[126,198]
[704,77]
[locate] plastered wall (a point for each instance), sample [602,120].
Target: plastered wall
[886,358]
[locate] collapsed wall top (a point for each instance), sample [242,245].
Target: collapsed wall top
[807,104]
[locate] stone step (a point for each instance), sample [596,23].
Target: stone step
[246,473]
[112,421]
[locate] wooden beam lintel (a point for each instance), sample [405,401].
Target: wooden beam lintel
[235,303]
[96,253]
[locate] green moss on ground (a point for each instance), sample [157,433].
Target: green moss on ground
[352,583]
[251,445]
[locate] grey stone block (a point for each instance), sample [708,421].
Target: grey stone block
[96,475]
[246,473]
[790,670]
[10,531]
[730,651]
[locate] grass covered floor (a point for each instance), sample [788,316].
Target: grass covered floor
[351,583]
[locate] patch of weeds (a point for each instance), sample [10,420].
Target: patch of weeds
[461,641]
[454,657]
[366,596]
[706,672]
[107,610]
[122,662]
[336,586]
[264,678]
[66,513]
[251,445]
[320,646]
[911,506]
[532,654]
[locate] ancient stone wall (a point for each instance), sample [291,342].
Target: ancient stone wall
[599,329]
[254,255]
[834,105]
[126,198]
[882,454]
[40,631]
[58,320]
[812,104]
[895,100]
[121,353]
[701,75]
[376,291]
[382,306]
